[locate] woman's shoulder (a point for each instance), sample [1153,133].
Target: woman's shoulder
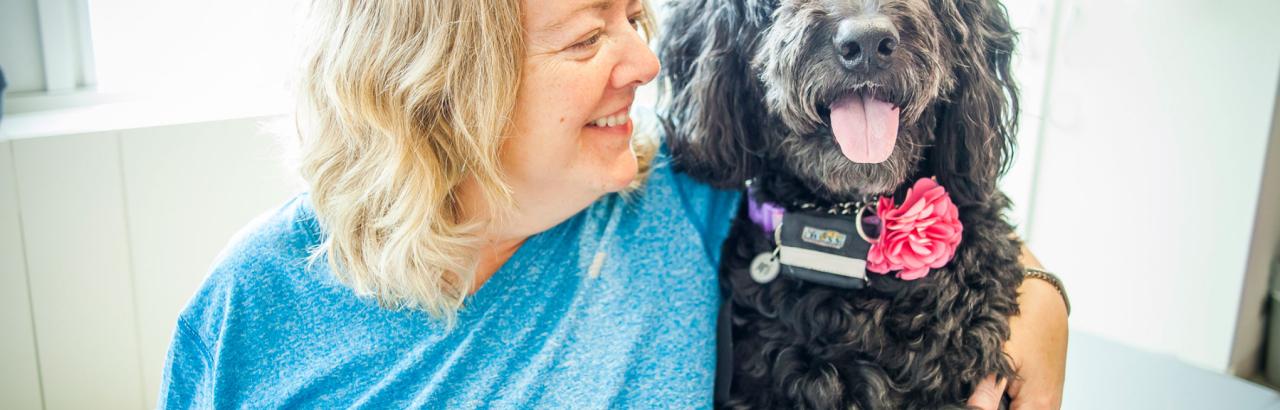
[669,192]
[269,254]
[666,174]
[277,238]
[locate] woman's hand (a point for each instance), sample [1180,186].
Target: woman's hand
[1038,347]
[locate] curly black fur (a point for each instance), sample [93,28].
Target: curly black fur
[749,83]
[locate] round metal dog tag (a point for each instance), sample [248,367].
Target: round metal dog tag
[764,268]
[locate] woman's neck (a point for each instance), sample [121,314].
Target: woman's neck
[501,237]
[491,255]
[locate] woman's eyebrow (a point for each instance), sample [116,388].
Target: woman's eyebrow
[598,5]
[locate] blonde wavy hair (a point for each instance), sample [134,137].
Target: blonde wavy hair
[390,126]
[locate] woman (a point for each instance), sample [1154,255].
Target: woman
[462,245]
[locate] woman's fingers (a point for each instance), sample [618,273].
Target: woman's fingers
[988,393]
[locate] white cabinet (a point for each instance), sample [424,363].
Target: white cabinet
[82,288]
[117,231]
[19,376]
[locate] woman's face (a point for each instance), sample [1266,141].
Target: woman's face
[572,130]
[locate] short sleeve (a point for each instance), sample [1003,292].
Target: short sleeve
[710,209]
[252,259]
[188,373]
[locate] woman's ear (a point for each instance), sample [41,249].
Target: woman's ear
[714,109]
[977,122]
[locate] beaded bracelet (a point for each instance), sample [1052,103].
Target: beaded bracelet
[1053,280]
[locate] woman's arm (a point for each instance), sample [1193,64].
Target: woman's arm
[1037,345]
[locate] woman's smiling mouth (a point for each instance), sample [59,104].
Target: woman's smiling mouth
[619,120]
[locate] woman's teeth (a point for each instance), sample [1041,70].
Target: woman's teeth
[611,121]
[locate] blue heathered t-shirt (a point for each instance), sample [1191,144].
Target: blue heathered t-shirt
[267,330]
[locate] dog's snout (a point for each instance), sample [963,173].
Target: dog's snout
[865,43]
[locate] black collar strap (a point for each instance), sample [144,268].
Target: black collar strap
[825,246]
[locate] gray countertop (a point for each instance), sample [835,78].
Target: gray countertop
[1102,374]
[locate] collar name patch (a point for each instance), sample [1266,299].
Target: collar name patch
[823,237]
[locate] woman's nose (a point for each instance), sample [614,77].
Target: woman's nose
[638,64]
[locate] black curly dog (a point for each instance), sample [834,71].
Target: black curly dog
[750,86]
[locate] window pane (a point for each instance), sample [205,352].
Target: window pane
[166,46]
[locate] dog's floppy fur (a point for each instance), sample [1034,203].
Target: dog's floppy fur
[749,86]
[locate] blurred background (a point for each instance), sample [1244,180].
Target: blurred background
[138,135]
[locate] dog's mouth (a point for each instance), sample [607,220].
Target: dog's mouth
[864,125]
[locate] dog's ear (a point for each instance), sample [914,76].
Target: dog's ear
[712,108]
[977,119]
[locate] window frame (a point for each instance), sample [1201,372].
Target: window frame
[64,38]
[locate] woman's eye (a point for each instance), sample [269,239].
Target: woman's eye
[635,20]
[584,44]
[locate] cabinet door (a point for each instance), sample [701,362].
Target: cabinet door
[73,227]
[19,378]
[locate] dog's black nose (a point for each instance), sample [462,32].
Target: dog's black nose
[865,43]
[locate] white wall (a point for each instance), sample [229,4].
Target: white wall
[1033,19]
[1157,123]
[117,230]
[1248,351]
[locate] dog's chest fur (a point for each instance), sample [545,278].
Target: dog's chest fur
[896,344]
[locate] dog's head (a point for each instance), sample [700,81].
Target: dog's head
[852,97]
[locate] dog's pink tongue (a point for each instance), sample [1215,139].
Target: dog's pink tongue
[865,128]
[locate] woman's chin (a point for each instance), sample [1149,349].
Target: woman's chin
[621,172]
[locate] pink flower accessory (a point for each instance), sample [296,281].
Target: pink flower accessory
[920,235]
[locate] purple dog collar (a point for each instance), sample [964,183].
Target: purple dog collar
[766,215]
